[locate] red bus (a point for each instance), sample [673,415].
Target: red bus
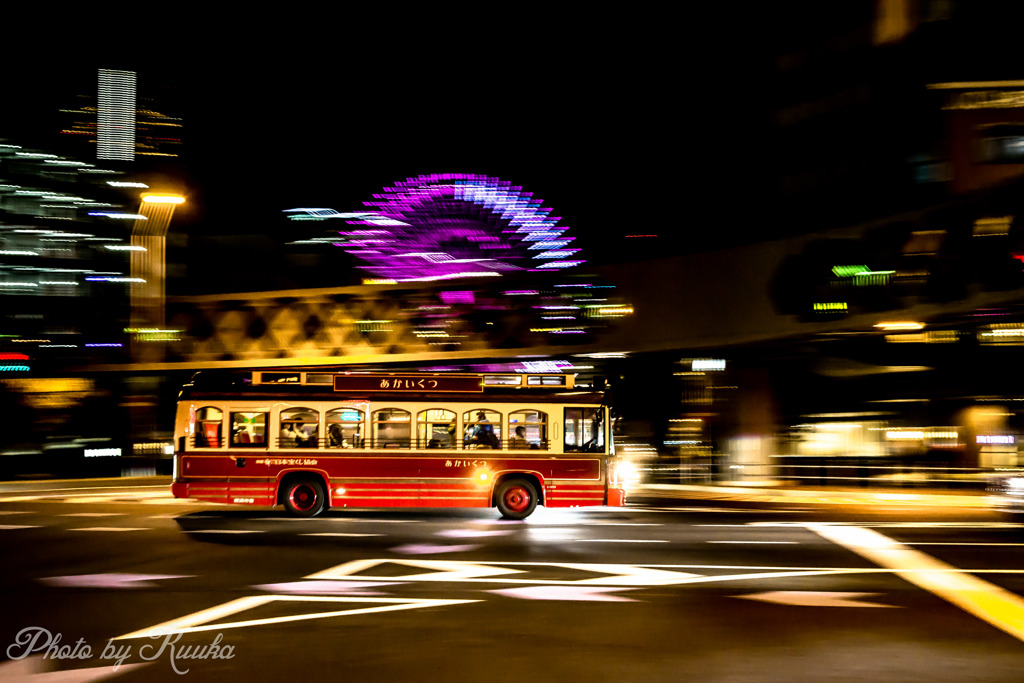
[312,439]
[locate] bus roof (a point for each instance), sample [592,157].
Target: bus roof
[328,383]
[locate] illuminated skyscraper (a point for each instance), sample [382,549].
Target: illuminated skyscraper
[115,130]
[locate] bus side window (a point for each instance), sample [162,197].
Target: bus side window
[528,429]
[392,428]
[482,428]
[436,428]
[248,429]
[584,430]
[298,428]
[344,428]
[208,427]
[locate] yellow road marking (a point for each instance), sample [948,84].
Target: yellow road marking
[997,606]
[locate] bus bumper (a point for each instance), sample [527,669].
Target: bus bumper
[616,497]
[179,489]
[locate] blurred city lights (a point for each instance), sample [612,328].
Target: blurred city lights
[119,216]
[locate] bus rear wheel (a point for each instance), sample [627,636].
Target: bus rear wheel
[304,497]
[516,498]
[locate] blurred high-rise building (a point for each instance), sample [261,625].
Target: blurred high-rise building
[83,261]
[124,116]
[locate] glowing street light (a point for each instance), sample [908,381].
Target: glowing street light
[148,258]
[161,198]
[900,325]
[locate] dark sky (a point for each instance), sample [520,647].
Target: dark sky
[592,113]
[622,122]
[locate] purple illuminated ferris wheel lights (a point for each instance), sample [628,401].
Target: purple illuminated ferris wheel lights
[452,225]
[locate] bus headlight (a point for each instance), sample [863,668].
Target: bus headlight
[482,476]
[624,473]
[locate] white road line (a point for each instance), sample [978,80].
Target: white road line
[729,510]
[94,514]
[619,540]
[225,531]
[583,523]
[107,488]
[111,528]
[759,542]
[327,533]
[19,526]
[279,519]
[16,512]
[997,606]
[346,520]
[964,544]
[197,621]
[911,524]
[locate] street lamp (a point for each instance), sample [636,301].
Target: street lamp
[149,260]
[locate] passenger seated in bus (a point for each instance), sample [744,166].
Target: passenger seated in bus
[592,444]
[290,435]
[519,440]
[242,435]
[483,433]
[335,439]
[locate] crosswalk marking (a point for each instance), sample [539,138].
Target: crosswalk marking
[198,621]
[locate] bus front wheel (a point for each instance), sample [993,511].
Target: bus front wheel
[516,498]
[304,497]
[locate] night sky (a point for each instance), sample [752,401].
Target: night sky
[623,124]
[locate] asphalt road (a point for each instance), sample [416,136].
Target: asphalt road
[700,590]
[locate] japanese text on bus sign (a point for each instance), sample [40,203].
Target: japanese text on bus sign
[407,383]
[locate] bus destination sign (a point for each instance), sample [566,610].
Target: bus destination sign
[408,383]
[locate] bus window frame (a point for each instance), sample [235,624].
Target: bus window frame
[601,437]
[496,425]
[390,444]
[423,440]
[200,429]
[311,440]
[543,443]
[360,428]
[261,444]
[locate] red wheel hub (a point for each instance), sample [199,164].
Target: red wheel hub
[517,498]
[303,497]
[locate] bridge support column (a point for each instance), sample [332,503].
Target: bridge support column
[752,439]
